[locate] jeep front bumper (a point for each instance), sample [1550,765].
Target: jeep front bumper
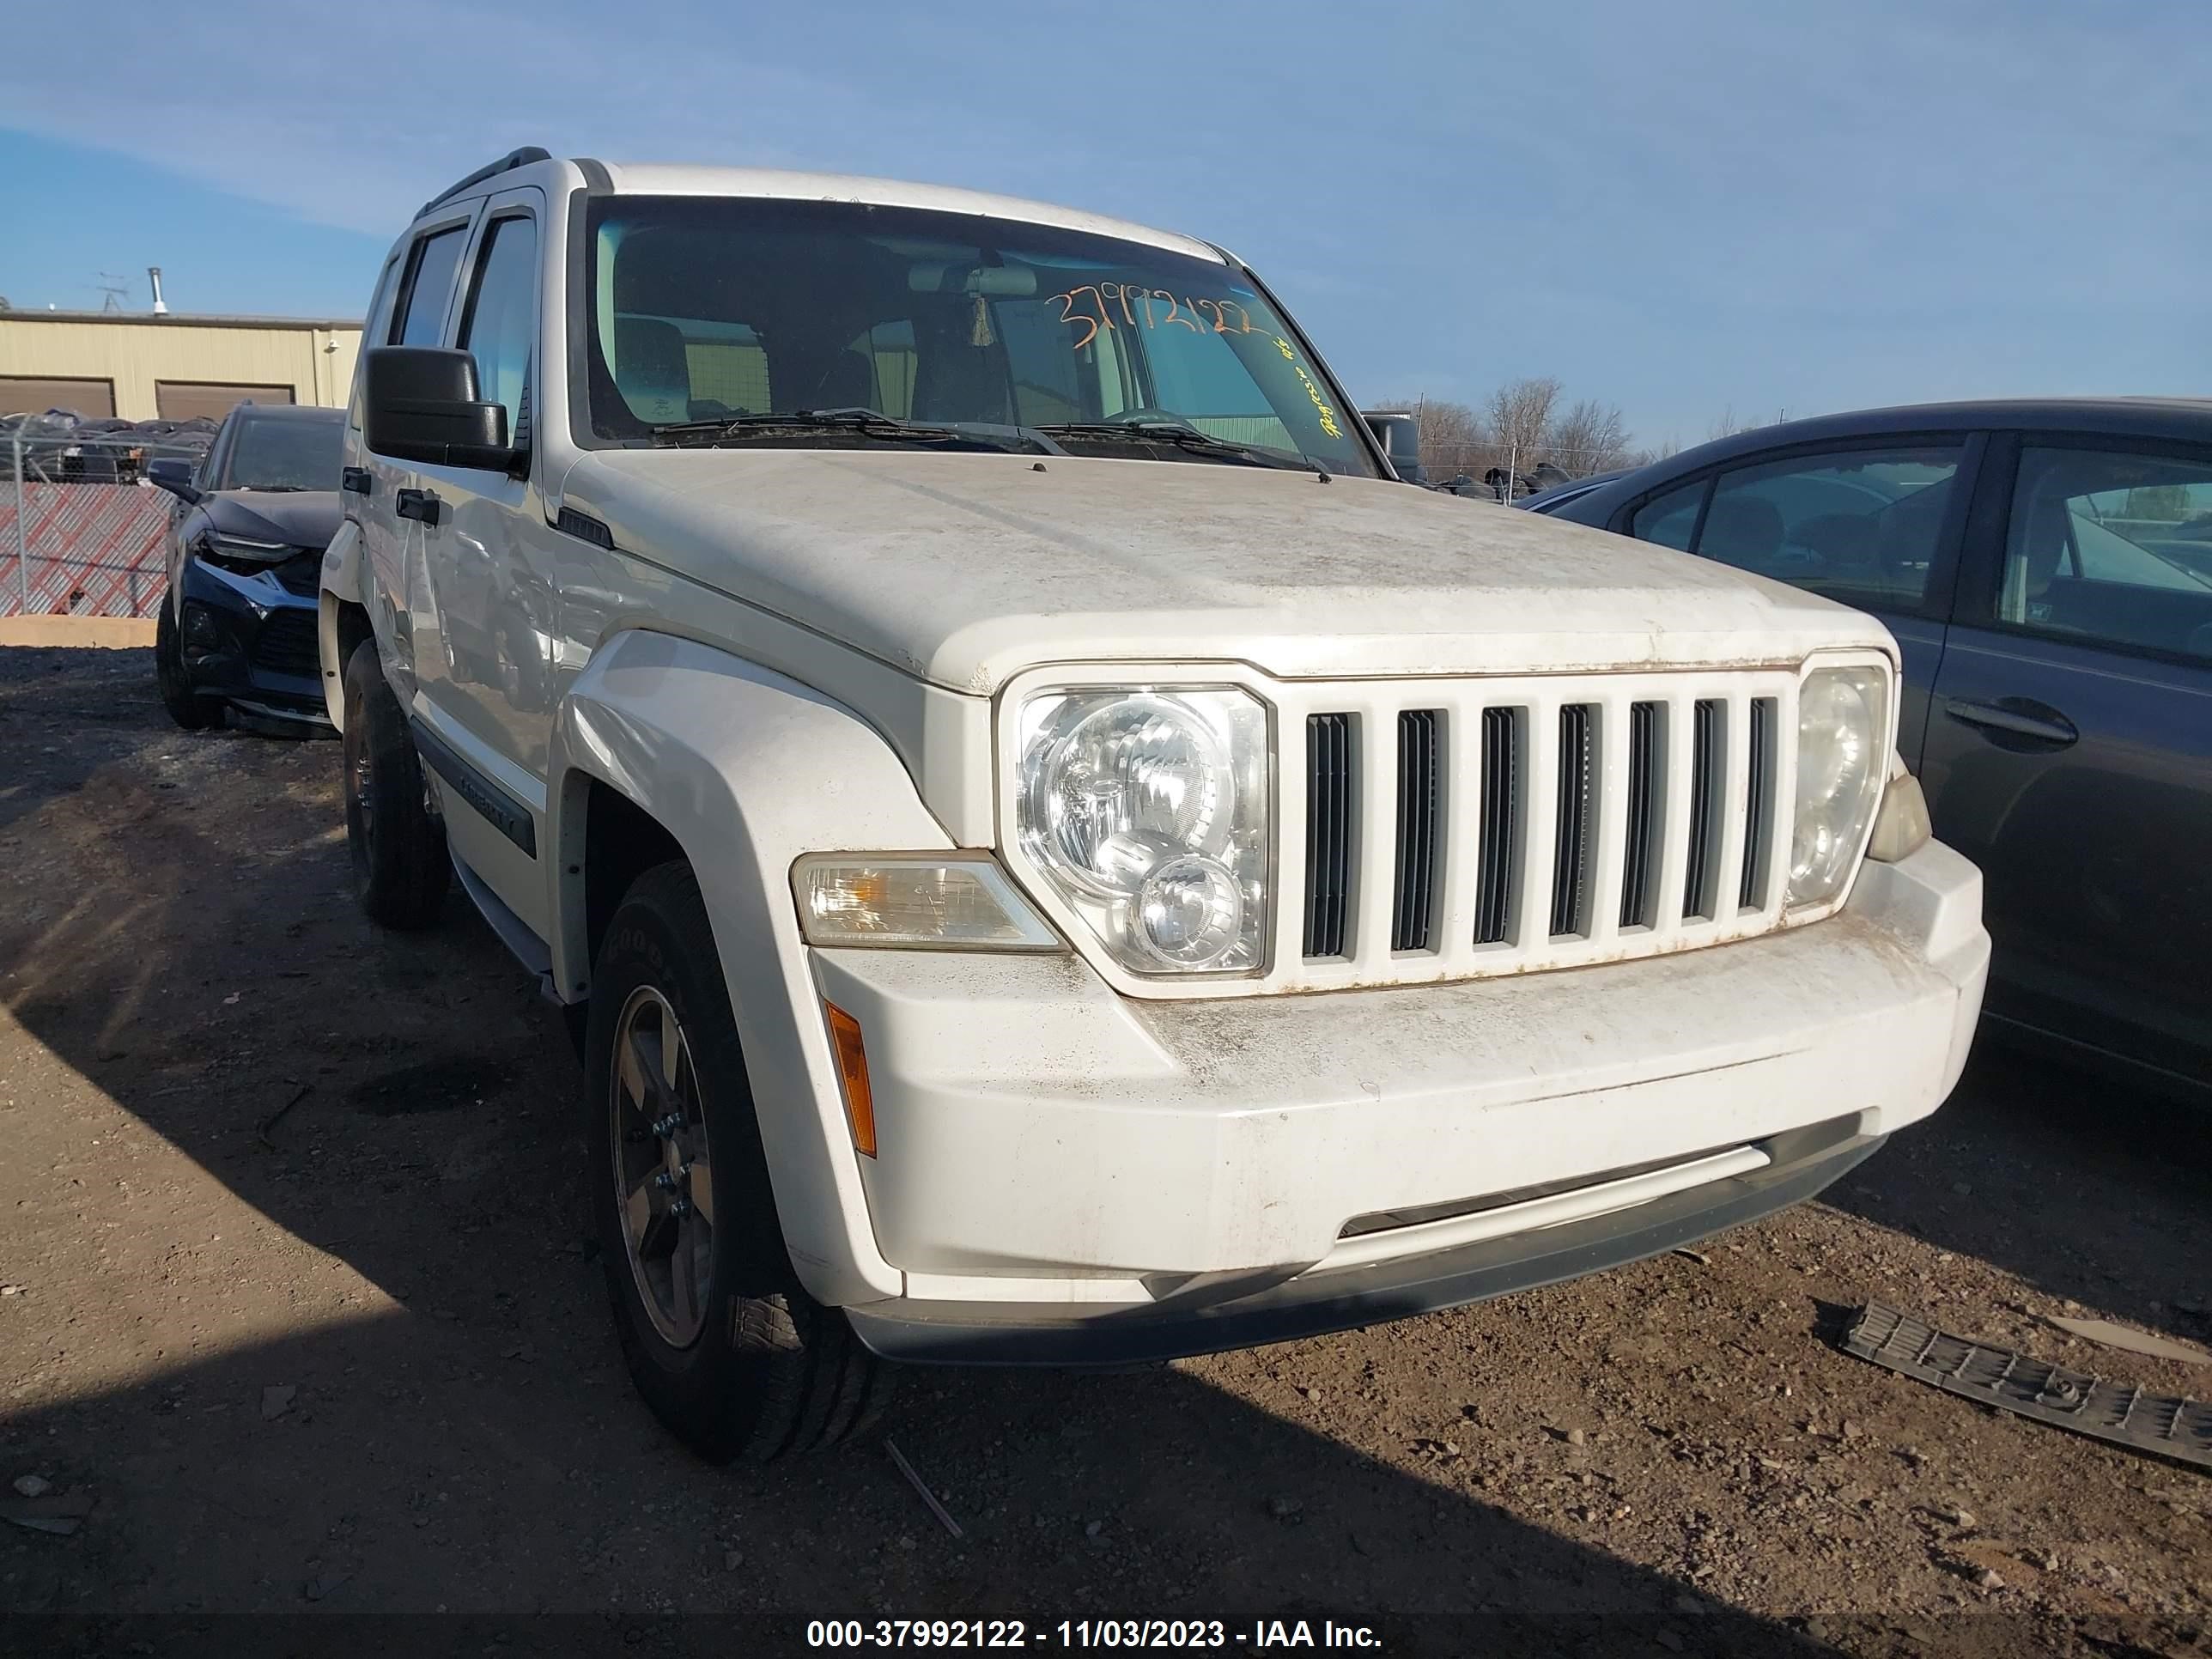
[1067,1176]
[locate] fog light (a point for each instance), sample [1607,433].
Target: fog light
[200,628]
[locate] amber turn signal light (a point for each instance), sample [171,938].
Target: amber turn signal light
[853,1075]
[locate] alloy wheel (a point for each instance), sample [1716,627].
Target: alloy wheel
[663,1178]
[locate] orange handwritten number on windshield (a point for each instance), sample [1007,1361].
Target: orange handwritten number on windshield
[1188,314]
[1068,314]
[1221,316]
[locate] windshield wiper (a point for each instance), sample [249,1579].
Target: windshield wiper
[1185,437]
[862,423]
[274,489]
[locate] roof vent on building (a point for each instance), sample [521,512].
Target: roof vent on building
[154,278]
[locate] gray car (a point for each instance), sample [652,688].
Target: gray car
[2046,567]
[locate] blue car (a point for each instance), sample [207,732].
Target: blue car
[246,541]
[2046,567]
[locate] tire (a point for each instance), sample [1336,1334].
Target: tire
[177,697]
[400,866]
[749,1365]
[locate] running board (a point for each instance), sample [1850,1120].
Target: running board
[2165,1425]
[532,951]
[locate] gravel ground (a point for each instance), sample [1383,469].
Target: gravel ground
[324,1375]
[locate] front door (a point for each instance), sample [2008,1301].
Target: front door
[2070,745]
[1874,523]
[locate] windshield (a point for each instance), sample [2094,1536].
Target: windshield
[716,309]
[295,453]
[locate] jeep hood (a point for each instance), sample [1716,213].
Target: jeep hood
[966,568]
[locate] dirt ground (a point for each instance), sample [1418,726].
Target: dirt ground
[296,1291]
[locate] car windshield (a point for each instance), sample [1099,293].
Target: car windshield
[281,453]
[708,313]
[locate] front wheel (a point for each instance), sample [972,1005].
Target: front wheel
[724,1343]
[177,696]
[400,869]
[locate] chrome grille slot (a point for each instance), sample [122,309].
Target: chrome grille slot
[1758,807]
[1707,756]
[1500,823]
[1329,793]
[1646,811]
[1570,851]
[1414,888]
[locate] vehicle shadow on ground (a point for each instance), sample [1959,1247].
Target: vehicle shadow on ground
[2087,1189]
[459,1434]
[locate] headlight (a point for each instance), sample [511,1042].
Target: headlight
[1147,812]
[1842,728]
[244,547]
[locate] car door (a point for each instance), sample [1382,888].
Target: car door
[1874,523]
[383,501]
[2070,750]
[487,559]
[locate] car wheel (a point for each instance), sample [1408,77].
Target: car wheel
[723,1342]
[186,709]
[400,866]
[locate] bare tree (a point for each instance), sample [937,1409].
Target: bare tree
[1520,415]
[1728,425]
[1590,437]
[1450,434]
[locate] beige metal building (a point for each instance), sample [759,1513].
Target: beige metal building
[170,366]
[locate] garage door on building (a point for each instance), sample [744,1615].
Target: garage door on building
[186,400]
[21,394]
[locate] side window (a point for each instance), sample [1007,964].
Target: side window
[2112,548]
[1669,519]
[1860,526]
[430,267]
[497,327]
[218,452]
[378,329]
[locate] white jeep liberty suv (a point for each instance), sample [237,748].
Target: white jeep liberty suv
[1053,854]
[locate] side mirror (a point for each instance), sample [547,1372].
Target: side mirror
[174,474]
[420,403]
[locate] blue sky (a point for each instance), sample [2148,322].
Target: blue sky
[1680,208]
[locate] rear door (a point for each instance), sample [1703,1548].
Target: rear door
[1872,523]
[2069,753]
[429,273]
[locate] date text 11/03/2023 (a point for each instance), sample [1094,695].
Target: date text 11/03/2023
[1137,1634]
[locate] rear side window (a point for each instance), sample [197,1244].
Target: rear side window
[379,328]
[430,269]
[2110,548]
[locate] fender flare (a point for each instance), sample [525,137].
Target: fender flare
[746,769]
[339,584]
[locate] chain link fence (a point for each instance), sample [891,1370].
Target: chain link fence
[1508,471]
[81,527]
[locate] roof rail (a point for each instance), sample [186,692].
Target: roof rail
[507,163]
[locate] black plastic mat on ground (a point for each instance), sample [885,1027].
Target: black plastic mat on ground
[2165,1424]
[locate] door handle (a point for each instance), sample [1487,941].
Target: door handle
[358,479]
[2017,717]
[422,504]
